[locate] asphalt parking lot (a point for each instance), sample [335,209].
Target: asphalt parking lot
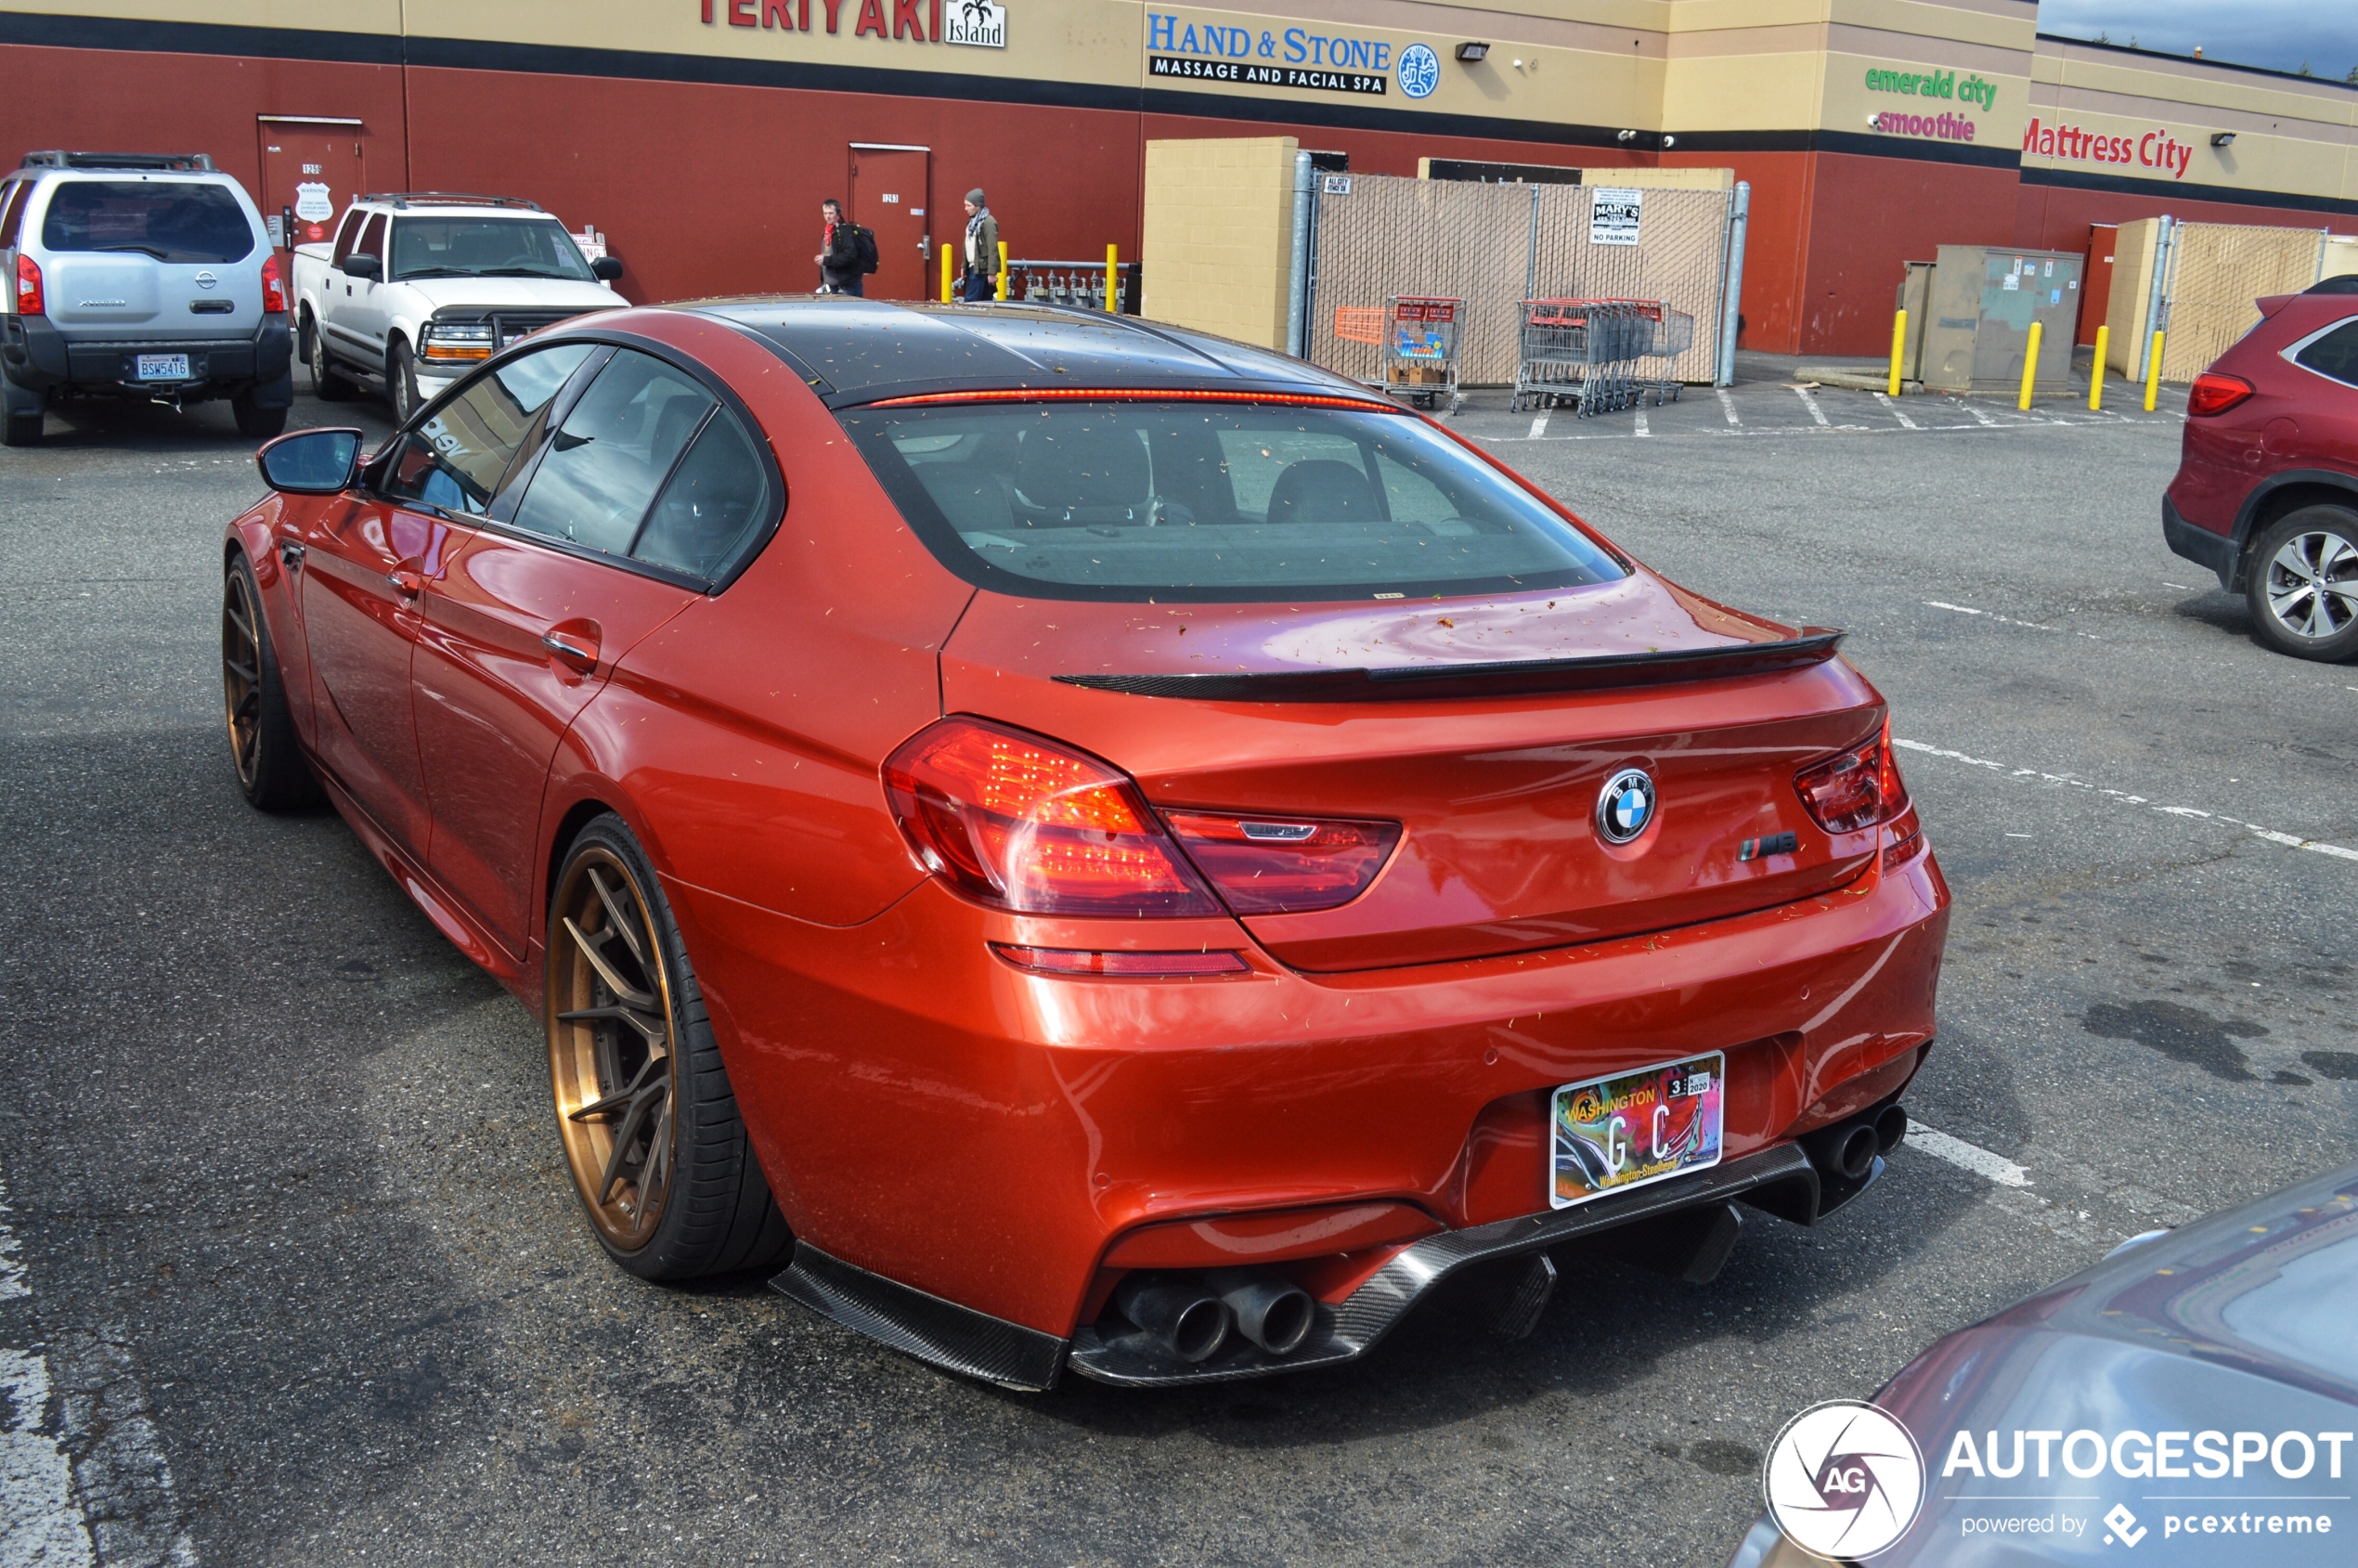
[295,1276]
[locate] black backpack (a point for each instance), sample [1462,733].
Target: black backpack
[863,247]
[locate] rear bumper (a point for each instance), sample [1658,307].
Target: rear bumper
[983,1136]
[39,356]
[2198,544]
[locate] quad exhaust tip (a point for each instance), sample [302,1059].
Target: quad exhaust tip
[1191,1323]
[1271,1313]
[1850,1149]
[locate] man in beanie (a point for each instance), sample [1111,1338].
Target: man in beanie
[982,250]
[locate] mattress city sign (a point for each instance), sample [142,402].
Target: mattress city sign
[2154,149]
[979,22]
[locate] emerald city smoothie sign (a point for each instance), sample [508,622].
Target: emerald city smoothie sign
[1931,121]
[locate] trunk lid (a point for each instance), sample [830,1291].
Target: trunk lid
[1494,775]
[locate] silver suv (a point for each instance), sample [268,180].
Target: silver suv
[138,275]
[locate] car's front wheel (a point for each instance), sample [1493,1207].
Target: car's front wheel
[658,1151]
[2302,584]
[272,774]
[401,380]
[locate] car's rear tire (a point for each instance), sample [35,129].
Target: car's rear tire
[271,771]
[256,424]
[2302,584]
[650,1127]
[401,380]
[328,386]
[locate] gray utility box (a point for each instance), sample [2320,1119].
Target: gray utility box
[1983,304]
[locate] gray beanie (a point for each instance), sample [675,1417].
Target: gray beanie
[975,196]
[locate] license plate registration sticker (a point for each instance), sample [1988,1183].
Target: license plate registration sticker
[163,367]
[1635,1128]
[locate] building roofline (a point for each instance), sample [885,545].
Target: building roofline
[2210,64]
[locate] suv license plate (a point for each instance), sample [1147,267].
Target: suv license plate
[1635,1128]
[163,367]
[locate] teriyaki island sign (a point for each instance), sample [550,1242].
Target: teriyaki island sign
[978,22]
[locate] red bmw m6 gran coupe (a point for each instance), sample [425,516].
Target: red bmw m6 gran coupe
[1078,844]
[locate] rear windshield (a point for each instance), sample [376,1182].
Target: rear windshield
[1235,501]
[485,247]
[171,220]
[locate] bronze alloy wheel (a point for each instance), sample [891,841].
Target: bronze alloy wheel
[242,679]
[613,1046]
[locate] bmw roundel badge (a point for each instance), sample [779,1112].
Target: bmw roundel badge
[1626,805]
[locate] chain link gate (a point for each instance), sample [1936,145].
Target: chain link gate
[2215,270]
[1496,245]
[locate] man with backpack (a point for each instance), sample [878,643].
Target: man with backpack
[849,255]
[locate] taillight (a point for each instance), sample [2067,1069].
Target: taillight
[1858,789]
[1022,823]
[274,288]
[29,300]
[2215,394]
[1277,865]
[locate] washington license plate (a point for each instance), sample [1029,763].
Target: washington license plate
[163,367]
[1635,1128]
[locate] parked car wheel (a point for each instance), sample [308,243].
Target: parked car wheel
[271,771]
[659,1154]
[255,423]
[326,384]
[401,381]
[2304,584]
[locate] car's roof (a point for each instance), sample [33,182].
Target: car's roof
[854,351]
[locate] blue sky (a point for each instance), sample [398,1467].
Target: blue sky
[2279,34]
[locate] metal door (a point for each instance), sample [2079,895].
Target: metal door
[312,169]
[2095,290]
[887,195]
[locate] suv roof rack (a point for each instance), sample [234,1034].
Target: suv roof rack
[442,198]
[59,158]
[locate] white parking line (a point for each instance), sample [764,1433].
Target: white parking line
[1893,408]
[1643,428]
[40,1522]
[1539,424]
[1727,405]
[2006,620]
[1976,411]
[1966,1156]
[1810,402]
[2291,841]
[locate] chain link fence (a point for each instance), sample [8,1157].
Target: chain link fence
[1496,245]
[2216,271]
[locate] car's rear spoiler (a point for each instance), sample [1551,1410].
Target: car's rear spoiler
[1430,681]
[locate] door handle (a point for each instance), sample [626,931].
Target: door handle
[406,584]
[573,650]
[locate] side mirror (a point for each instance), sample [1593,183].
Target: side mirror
[605,269]
[360,264]
[310,462]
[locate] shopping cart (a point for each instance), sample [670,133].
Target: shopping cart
[1673,334]
[1582,352]
[1420,348]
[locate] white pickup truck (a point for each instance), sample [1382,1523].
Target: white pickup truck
[416,289]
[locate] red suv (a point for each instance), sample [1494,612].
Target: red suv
[2267,488]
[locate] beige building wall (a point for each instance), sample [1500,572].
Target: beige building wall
[1218,236]
[2132,280]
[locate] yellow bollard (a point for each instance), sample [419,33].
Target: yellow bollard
[945,273]
[1898,342]
[2096,371]
[2153,374]
[1002,269]
[1113,280]
[2029,367]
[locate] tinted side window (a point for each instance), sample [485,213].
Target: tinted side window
[613,453]
[372,239]
[2334,355]
[458,457]
[171,220]
[12,198]
[710,509]
[347,232]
